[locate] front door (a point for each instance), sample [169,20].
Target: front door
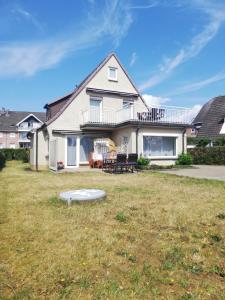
[71,151]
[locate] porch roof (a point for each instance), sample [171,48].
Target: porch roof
[104,126]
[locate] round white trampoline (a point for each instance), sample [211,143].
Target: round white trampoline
[84,195]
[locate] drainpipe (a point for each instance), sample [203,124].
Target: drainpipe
[137,131]
[183,133]
[36,162]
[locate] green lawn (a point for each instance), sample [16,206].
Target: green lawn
[156,236]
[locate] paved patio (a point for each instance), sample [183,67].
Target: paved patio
[200,171]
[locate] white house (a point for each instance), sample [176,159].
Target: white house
[107,105]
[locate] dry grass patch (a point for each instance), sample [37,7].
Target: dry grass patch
[156,237]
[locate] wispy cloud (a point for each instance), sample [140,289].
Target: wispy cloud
[27,58]
[155,100]
[150,4]
[28,16]
[133,58]
[198,85]
[216,14]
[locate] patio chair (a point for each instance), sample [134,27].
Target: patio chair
[121,163]
[132,161]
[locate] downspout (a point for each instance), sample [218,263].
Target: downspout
[183,133]
[36,151]
[137,131]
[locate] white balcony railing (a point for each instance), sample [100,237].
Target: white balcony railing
[162,114]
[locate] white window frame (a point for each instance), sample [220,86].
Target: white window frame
[131,103]
[162,135]
[77,152]
[116,71]
[100,100]
[12,135]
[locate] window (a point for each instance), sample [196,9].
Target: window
[2,146]
[128,110]
[96,110]
[23,135]
[12,135]
[112,73]
[86,146]
[12,146]
[124,145]
[1,134]
[159,146]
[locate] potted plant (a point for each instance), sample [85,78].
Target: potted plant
[60,165]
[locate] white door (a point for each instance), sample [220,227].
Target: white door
[71,151]
[53,155]
[96,110]
[128,110]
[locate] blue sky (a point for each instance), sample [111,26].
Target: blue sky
[173,49]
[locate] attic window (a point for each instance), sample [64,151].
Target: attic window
[112,73]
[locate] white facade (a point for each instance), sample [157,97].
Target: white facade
[106,105]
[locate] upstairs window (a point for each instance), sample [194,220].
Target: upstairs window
[12,135]
[112,73]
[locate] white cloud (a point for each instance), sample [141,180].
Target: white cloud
[192,113]
[28,58]
[133,58]
[216,14]
[154,100]
[146,6]
[198,85]
[28,16]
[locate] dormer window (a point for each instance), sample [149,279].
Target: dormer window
[112,73]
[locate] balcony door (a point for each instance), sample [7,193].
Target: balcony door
[71,151]
[128,110]
[96,110]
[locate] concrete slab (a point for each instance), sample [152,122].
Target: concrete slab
[200,171]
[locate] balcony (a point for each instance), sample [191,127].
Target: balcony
[160,115]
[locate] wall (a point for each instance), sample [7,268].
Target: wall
[6,140]
[130,132]
[42,150]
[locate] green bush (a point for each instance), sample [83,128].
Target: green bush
[184,159]
[208,156]
[21,154]
[143,163]
[8,153]
[2,161]
[17,154]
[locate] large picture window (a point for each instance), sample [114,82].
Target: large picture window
[159,146]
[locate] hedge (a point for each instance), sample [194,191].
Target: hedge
[17,154]
[2,161]
[208,156]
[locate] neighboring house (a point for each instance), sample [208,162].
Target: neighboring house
[107,105]
[209,123]
[15,125]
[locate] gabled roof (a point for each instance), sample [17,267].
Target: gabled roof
[82,85]
[211,116]
[9,121]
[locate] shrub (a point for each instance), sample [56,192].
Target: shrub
[184,159]
[208,156]
[17,154]
[8,153]
[143,162]
[2,161]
